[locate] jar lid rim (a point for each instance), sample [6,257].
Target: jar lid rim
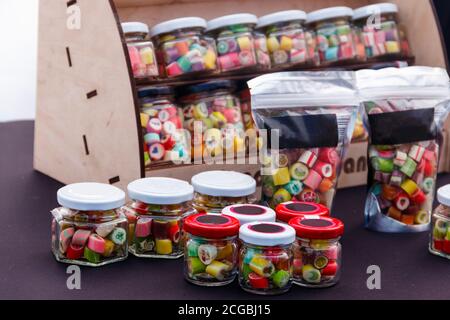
[281,16]
[266,214]
[329,13]
[134,27]
[259,233]
[223,183]
[321,228]
[443,195]
[285,212]
[369,10]
[226,226]
[231,19]
[176,24]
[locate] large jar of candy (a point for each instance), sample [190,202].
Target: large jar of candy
[210,253]
[440,235]
[334,33]
[379,40]
[140,49]
[293,209]
[265,257]
[286,40]
[239,47]
[215,190]
[247,213]
[159,208]
[162,126]
[183,49]
[215,111]
[89,228]
[317,251]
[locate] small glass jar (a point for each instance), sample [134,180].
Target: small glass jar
[334,34]
[293,209]
[239,47]
[379,40]
[215,190]
[210,255]
[89,228]
[182,48]
[286,40]
[214,107]
[317,251]
[160,206]
[141,50]
[162,126]
[247,213]
[265,257]
[440,221]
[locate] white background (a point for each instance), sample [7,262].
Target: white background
[18,56]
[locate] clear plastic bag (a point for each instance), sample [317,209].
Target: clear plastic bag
[404,110]
[313,115]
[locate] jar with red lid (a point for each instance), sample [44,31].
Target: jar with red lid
[247,213]
[317,251]
[265,257]
[292,209]
[440,221]
[210,254]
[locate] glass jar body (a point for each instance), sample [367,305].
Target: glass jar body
[440,234]
[142,56]
[215,204]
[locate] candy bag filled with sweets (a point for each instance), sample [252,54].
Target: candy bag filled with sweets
[405,110]
[306,120]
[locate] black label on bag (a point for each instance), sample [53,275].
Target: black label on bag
[305,131]
[402,126]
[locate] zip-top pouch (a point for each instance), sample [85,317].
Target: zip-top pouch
[306,120]
[404,110]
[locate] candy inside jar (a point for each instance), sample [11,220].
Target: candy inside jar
[317,251]
[156,216]
[89,229]
[265,257]
[440,232]
[210,249]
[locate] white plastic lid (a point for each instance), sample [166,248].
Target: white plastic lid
[158,190]
[267,233]
[134,27]
[281,16]
[232,19]
[177,24]
[443,195]
[224,183]
[329,13]
[90,196]
[380,8]
[247,213]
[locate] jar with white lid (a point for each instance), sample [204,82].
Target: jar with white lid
[317,251]
[215,190]
[379,40]
[440,221]
[293,209]
[286,40]
[247,213]
[140,50]
[159,208]
[183,49]
[89,228]
[239,46]
[334,34]
[210,249]
[265,257]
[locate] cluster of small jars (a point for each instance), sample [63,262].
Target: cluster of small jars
[184,47]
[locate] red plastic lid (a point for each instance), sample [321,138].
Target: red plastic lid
[289,210]
[316,227]
[211,226]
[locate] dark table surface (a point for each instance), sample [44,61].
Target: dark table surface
[29,271]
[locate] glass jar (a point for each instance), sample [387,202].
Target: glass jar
[141,50]
[162,126]
[317,251]
[265,257]
[334,34]
[440,221]
[182,48]
[379,40]
[293,209]
[210,255]
[239,47]
[89,228]
[160,206]
[215,190]
[214,107]
[286,40]
[247,213]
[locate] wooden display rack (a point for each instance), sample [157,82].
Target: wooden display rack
[87,119]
